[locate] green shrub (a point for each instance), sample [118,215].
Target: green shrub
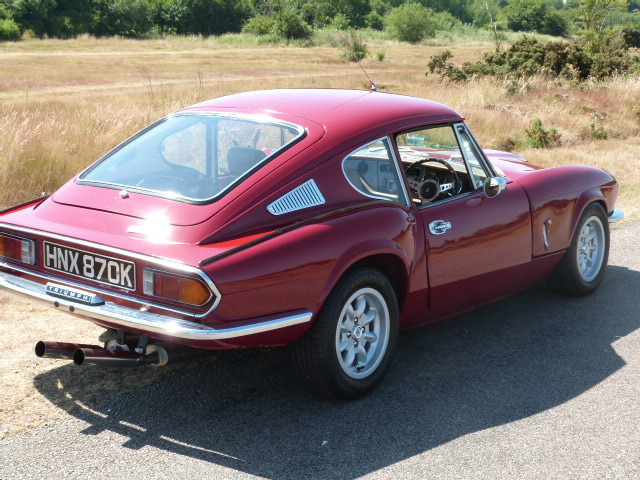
[528,57]
[540,137]
[340,22]
[381,55]
[597,132]
[356,47]
[286,24]
[260,25]
[374,20]
[411,22]
[291,26]
[535,16]
[119,17]
[9,30]
[445,21]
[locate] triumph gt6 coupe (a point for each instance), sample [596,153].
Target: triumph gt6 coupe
[324,219]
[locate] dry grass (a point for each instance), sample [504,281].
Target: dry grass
[65,103]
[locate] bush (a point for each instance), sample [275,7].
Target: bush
[411,22]
[9,30]
[444,21]
[540,137]
[597,132]
[204,17]
[120,17]
[340,22]
[528,57]
[285,24]
[535,16]
[260,25]
[356,48]
[374,20]
[291,26]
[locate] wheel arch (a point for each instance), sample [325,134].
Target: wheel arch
[392,267]
[587,199]
[389,261]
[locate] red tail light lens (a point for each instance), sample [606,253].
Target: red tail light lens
[177,288]
[21,249]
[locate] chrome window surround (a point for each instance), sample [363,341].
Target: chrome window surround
[476,146]
[169,264]
[402,189]
[252,118]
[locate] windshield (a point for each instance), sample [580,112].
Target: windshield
[193,158]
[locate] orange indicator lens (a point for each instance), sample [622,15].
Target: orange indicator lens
[176,288]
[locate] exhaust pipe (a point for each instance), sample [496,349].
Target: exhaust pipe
[157,355]
[113,358]
[59,350]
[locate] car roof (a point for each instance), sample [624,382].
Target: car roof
[336,110]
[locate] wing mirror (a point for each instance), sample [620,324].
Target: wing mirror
[493,186]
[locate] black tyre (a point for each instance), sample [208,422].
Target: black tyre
[583,266]
[350,345]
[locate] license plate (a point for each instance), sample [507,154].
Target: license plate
[103,269]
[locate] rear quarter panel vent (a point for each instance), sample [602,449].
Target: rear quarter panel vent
[305,196]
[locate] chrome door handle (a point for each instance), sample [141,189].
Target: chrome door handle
[438,227]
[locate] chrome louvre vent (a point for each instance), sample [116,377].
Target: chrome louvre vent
[305,196]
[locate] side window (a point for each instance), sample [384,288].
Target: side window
[373,171]
[434,164]
[469,148]
[440,162]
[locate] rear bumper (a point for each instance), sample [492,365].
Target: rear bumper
[125,318]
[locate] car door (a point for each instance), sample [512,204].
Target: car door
[478,248]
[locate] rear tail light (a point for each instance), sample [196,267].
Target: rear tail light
[176,288]
[16,248]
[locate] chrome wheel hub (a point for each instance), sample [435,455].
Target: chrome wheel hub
[591,247]
[363,333]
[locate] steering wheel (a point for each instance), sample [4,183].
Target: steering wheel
[428,187]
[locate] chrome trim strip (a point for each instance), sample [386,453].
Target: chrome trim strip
[616,216]
[545,233]
[170,264]
[151,322]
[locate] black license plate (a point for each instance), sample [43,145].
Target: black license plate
[103,269]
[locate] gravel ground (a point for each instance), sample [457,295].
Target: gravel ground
[534,386]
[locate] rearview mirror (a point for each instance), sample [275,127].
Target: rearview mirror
[493,186]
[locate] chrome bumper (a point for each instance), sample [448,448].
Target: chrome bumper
[124,317]
[616,216]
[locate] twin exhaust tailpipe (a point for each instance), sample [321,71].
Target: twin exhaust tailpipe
[83,354]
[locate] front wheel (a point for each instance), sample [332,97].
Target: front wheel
[583,266]
[349,347]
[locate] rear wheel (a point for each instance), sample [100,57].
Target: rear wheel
[349,347]
[583,266]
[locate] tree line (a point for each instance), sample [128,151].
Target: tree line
[406,20]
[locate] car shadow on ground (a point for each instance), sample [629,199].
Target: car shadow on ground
[246,410]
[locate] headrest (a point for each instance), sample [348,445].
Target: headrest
[242,159]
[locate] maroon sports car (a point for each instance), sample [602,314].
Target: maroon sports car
[325,219]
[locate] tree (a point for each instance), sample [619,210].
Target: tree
[594,12]
[411,22]
[128,18]
[534,16]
